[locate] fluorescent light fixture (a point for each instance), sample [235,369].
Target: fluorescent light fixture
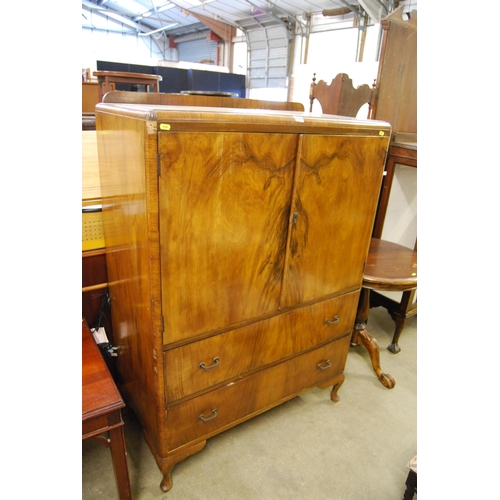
[129,5]
[197,3]
[168,26]
[165,7]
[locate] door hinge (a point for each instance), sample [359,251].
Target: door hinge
[159,165]
[162,324]
[295,218]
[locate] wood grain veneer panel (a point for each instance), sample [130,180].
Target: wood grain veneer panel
[127,158]
[224,210]
[254,346]
[254,394]
[336,196]
[397,78]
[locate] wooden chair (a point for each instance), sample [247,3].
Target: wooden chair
[340,97]
[389,267]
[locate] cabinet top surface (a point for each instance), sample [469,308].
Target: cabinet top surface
[286,121]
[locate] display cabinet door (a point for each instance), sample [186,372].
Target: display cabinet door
[337,187]
[224,213]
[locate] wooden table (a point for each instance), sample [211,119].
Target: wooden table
[390,267]
[101,409]
[108,79]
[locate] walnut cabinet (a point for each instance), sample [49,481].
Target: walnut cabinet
[235,247]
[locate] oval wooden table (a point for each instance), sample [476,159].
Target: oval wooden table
[389,267]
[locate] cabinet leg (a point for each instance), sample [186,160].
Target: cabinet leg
[333,395]
[360,336]
[167,464]
[336,382]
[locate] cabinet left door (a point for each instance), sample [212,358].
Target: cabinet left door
[224,201]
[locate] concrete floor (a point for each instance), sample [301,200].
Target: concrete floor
[307,448]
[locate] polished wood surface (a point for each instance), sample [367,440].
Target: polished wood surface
[214,222]
[101,409]
[91,95]
[228,355]
[198,100]
[396,100]
[327,253]
[250,213]
[91,185]
[390,267]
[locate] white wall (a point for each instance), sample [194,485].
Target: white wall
[330,53]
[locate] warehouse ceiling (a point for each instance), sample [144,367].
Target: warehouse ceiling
[160,18]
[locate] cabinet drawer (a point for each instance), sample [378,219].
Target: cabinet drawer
[235,402]
[199,365]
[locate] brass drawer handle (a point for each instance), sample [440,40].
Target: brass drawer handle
[332,322]
[207,419]
[214,364]
[324,366]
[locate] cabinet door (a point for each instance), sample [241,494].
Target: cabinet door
[337,187]
[224,212]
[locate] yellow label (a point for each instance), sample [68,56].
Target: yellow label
[164,126]
[381,133]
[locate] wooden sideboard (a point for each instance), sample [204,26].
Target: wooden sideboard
[235,243]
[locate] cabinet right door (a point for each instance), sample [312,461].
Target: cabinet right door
[337,186]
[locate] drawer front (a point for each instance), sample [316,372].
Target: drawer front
[215,411]
[200,365]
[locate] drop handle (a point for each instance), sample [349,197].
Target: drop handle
[334,321]
[215,364]
[325,365]
[208,419]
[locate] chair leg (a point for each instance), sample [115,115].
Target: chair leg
[360,336]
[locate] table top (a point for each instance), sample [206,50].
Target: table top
[99,392]
[390,266]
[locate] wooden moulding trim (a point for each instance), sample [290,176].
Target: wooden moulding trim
[92,288]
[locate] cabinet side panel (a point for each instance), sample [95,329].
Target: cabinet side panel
[335,201]
[125,165]
[224,210]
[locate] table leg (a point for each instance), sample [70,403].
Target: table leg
[360,336]
[119,455]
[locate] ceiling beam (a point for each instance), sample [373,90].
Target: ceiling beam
[224,30]
[105,12]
